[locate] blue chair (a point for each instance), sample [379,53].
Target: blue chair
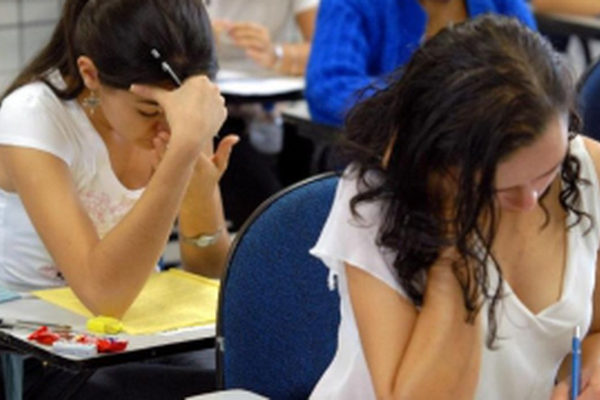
[277,320]
[588,100]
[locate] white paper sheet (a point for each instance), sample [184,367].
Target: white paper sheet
[239,83]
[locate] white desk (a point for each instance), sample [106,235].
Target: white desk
[563,24]
[139,347]
[242,86]
[234,394]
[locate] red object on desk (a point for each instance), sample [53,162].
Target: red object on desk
[43,335]
[110,345]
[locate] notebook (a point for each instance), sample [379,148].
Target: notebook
[170,300]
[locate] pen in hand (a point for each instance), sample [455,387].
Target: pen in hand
[166,67]
[575,363]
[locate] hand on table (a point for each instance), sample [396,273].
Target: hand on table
[255,40]
[590,386]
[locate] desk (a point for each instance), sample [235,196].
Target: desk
[258,87]
[322,136]
[140,347]
[561,24]
[233,394]
[297,114]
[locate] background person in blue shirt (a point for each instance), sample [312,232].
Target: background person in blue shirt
[357,41]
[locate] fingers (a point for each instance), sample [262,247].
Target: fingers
[253,44]
[247,29]
[222,24]
[160,143]
[560,392]
[221,156]
[259,57]
[250,35]
[591,390]
[149,92]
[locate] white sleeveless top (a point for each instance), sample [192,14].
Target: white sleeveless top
[33,117]
[533,346]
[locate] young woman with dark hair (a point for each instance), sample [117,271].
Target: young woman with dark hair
[105,138]
[464,233]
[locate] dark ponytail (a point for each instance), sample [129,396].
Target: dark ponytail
[57,54]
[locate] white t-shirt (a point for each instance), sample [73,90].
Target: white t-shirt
[34,117]
[278,16]
[533,346]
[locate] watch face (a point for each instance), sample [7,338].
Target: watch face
[203,240]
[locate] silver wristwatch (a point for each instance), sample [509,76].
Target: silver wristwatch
[203,239]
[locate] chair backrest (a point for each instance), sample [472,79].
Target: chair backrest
[277,321]
[588,100]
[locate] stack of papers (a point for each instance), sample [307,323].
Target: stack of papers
[242,83]
[170,300]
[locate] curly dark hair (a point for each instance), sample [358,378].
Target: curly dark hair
[469,98]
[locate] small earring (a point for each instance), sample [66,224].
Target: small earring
[91,102]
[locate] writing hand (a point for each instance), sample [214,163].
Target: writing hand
[255,39]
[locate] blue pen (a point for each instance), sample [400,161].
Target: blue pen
[576,363]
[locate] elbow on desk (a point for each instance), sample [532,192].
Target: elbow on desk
[109,304]
[106,299]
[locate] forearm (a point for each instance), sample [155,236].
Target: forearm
[294,59]
[119,264]
[581,7]
[203,213]
[441,333]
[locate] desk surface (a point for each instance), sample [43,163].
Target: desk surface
[298,114]
[241,86]
[139,347]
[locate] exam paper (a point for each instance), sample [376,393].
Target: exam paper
[170,300]
[241,83]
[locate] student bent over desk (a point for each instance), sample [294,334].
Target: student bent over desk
[100,151]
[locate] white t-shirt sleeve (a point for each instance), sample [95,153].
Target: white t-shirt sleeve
[33,117]
[303,5]
[347,239]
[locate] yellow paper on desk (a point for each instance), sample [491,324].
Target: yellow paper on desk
[169,300]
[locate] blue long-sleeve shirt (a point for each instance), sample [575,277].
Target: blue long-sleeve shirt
[357,41]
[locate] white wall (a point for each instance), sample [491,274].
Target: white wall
[25,25]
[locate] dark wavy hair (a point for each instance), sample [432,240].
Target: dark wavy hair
[469,98]
[118,36]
